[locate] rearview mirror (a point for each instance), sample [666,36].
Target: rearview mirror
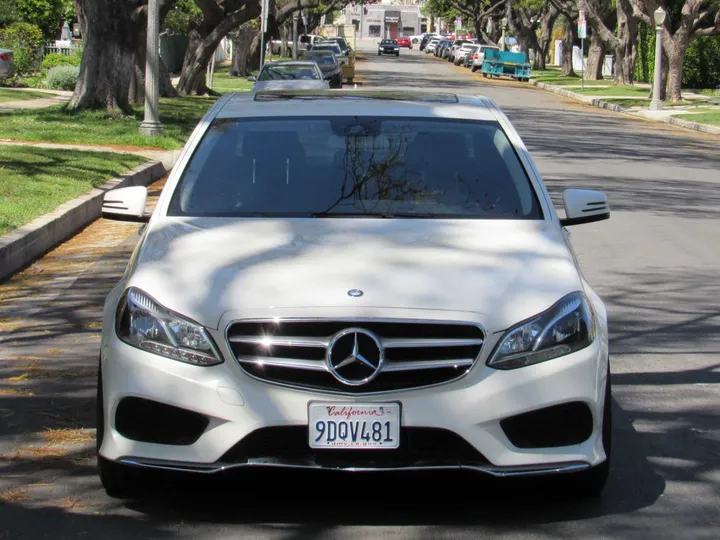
[584,206]
[126,204]
[252,78]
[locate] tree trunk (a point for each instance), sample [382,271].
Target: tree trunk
[568,42]
[676,59]
[547,22]
[254,52]
[137,80]
[242,39]
[596,56]
[198,54]
[108,56]
[284,36]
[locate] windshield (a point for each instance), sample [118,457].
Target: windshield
[341,42]
[388,42]
[355,166]
[333,47]
[288,73]
[320,58]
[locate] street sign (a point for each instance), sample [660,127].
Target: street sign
[582,25]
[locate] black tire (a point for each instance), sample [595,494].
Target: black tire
[473,69]
[379,54]
[397,53]
[591,482]
[120,481]
[350,80]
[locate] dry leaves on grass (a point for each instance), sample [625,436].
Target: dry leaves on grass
[36,372]
[15,392]
[51,455]
[14,495]
[67,436]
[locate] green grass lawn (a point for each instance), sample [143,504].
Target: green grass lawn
[35,181]
[629,102]
[707,116]
[20,95]
[614,91]
[224,83]
[55,124]
[555,76]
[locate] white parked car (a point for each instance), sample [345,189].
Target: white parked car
[431,45]
[6,59]
[289,75]
[354,280]
[479,56]
[463,51]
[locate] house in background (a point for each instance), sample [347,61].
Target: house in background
[386,19]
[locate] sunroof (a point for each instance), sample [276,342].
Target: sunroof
[279,95]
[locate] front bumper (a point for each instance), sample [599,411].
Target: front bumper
[237,405]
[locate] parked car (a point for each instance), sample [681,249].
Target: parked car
[290,75]
[307,41]
[426,39]
[479,56]
[6,65]
[404,42]
[452,49]
[344,46]
[361,280]
[440,48]
[463,52]
[388,46]
[430,47]
[328,64]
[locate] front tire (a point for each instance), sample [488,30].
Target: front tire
[473,69]
[397,53]
[120,481]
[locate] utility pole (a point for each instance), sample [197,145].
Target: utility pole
[295,36]
[151,125]
[656,104]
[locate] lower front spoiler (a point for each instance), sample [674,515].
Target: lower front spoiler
[309,464]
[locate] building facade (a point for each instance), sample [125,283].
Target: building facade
[387,19]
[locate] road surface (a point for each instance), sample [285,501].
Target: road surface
[655,262]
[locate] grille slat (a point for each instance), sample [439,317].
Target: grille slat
[418,353]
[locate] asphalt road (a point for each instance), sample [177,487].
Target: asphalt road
[655,262]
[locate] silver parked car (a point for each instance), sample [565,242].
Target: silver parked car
[479,56]
[468,49]
[289,75]
[6,57]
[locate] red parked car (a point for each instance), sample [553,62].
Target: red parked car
[404,42]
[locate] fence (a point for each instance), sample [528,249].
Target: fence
[63,49]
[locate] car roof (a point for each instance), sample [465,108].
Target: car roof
[299,63]
[391,103]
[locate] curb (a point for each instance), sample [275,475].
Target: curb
[617,108]
[23,245]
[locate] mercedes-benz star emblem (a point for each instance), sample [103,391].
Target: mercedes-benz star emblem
[355,293]
[355,356]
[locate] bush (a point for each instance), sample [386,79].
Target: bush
[55,60]
[62,77]
[25,40]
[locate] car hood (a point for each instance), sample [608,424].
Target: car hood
[289,85]
[502,271]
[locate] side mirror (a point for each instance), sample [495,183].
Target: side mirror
[126,204]
[252,78]
[584,206]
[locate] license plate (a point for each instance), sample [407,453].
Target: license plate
[363,426]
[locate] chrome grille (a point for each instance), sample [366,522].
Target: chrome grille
[417,353]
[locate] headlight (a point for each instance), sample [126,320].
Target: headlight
[145,324]
[566,327]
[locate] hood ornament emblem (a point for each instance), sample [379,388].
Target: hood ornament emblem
[355,293]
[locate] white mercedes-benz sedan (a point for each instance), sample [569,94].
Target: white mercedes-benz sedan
[359,281]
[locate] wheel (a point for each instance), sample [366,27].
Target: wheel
[485,75]
[379,54]
[120,481]
[397,53]
[350,80]
[473,69]
[591,482]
